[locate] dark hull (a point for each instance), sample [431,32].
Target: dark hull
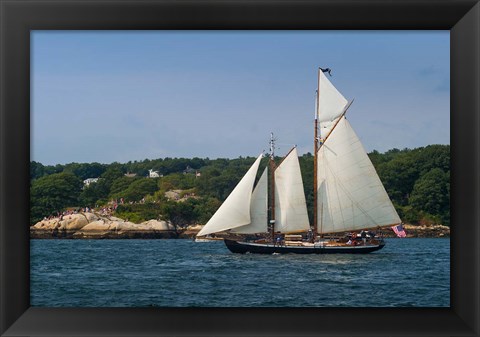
[257,248]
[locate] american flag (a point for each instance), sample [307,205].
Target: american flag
[398,229]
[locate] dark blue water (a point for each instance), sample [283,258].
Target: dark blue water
[182,273]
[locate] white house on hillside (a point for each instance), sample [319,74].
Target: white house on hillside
[153,174]
[88,181]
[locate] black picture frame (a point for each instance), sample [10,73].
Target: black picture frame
[19,17]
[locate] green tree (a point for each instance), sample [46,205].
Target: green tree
[122,183]
[138,189]
[104,185]
[176,181]
[93,194]
[398,176]
[306,167]
[432,156]
[53,193]
[85,170]
[37,170]
[205,208]
[112,173]
[180,214]
[139,212]
[431,195]
[203,183]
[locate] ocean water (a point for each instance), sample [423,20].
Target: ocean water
[183,273]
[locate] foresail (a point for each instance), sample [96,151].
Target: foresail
[290,206]
[331,102]
[258,208]
[235,210]
[350,193]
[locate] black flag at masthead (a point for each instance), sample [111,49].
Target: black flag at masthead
[327,70]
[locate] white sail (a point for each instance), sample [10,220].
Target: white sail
[258,208]
[235,210]
[331,102]
[290,206]
[326,128]
[350,193]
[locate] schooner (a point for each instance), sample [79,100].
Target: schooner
[348,194]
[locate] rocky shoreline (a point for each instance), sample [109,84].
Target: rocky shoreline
[90,225]
[96,226]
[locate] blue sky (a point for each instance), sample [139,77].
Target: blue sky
[121,96]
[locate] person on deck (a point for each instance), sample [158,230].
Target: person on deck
[363,234]
[310,235]
[354,239]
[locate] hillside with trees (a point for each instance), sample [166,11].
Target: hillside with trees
[188,191]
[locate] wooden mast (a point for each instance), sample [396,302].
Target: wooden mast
[272,186]
[315,161]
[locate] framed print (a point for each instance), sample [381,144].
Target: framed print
[21,316]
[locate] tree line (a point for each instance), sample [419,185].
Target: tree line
[417,180]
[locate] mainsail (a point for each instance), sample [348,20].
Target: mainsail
[235,210]
[290,206]
[351,195]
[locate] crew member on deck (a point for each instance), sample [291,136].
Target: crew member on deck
[310,235]
[279,240]
[363,234]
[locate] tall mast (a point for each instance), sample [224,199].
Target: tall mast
[272,185]
[315,159]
